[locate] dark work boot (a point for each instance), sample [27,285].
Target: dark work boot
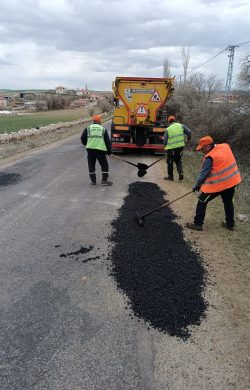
[181,176]
[226,226]
[106,183]
[194,227]
[169,178]
[93,178]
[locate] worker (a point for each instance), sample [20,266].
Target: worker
[219,175]
[174,142]
[98,144]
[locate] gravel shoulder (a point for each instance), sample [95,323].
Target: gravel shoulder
[217,357]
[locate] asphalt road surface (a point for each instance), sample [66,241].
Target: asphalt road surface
[64,324]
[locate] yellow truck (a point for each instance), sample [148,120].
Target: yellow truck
[140,112]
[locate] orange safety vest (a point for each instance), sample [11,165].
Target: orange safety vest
[225,173]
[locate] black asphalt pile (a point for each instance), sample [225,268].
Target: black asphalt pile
[9,178]
[161,275]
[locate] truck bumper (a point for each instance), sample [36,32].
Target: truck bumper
[120,145]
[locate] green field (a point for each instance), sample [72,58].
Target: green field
[26,121]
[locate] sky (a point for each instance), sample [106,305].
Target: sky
[47,43]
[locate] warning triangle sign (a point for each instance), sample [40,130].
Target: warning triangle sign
[141,111]
[155,97]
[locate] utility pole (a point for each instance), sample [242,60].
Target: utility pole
[230,48]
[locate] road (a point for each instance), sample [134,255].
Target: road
[64,324]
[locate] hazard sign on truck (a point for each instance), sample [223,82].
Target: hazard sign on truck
[141,110]
[140,121]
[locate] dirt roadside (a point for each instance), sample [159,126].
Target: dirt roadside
[221,346]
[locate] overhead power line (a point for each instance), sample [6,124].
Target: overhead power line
[207,61]
[231,49]
[243,43]
[226,48]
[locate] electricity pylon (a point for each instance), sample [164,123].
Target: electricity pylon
[230,48]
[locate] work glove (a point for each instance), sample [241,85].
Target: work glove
[109,153]
[196,188]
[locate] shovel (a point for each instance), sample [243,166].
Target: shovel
[139,218]
[142,168]
[128,162]
[145,166]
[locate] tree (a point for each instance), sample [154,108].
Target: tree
[185,59]
[244,76]
[91,111]
[166,68]
[104,105]
[205,86]
[192,103]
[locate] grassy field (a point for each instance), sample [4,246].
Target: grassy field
[12,149]
[38,119]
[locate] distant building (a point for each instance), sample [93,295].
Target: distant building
[60,90]
[86,91]
[36,105]
[3,102]
[221,98]
[79,103]
[27,95]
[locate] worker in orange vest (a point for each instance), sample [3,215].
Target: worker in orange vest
[219,176]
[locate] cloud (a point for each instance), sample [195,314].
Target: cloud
[72,42]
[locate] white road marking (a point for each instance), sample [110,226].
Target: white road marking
[73,200]
[39,196]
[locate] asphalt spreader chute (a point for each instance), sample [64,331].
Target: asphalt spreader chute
[142,168]
[140,218]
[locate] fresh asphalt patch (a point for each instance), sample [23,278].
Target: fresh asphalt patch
[78,253]
[7,179]
[162,276]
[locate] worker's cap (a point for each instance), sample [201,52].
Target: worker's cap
[171,118]
[207,140]
[96,118]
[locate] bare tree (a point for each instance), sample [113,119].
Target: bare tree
[198,82]
[205,86]
[166,68]
[104,105]
[185,59]
[91,111]
[244,76]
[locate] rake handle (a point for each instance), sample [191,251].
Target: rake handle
[121,159]
[157,161]
[165,205]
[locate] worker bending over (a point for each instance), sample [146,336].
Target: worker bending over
[98,144]
[219,176]
[174,142]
